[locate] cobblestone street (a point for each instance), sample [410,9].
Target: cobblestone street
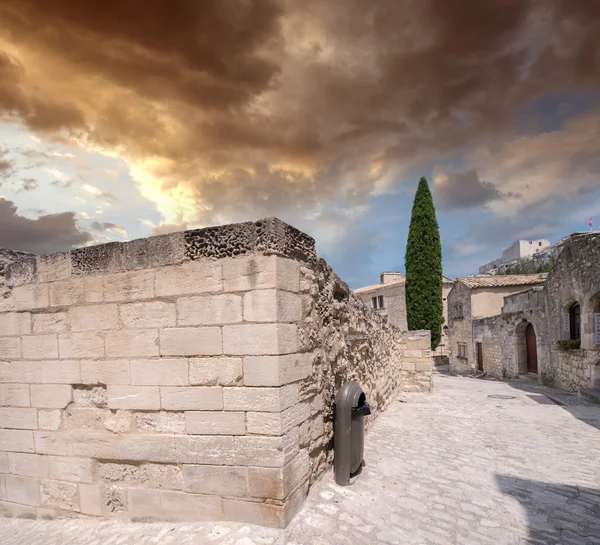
[466,465]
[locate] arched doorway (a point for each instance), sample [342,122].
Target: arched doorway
[530,341]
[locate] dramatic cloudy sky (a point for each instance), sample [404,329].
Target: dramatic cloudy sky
[122,118]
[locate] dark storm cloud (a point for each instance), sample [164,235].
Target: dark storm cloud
[46,234]
[286,103]
[456,189]
[29,184]
[104,226]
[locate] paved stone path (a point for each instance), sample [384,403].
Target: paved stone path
[456,467]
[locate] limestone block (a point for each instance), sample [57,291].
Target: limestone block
[423,366]
[166,422]
[27,465]
[94,317]
[10,348]
[66,292]
[148,314]
[8,509]
[257,339]
[95,445]
[60,372]
[191,341]
[277,423]
[51,396]
[201,276]
[113,371]
[272,306]
[54,267]
[52,322]
[223,308]
[80,345]
[254,513]
[217,480]
[162,372]
[204,450]
[196,398]
[408,365]
[260,272]
[23,271]
[20,372]
[4,462]
[49,420]
[169,476]
[215,423]
[276,370]
[147,447]
[260,399]
[62,468]
[21,419]
[182,506]
[259,451]
[2,395]
[128,343]
[60,494]
[216,371]
[91,500]
[145,398]
[93,289]
[278,483]
[118,422]
[15,323]
[144,504]
[39,347]
[411,354]
[53,442]
[29,297]
[24,490]
[129,286]
[90,396]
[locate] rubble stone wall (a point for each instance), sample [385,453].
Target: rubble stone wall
[183,377]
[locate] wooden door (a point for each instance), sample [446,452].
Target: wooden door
[480,356]
[532,365]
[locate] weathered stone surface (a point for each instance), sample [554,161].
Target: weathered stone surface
[129,286]
[17,395]
[90,396]
[218,309]
[96,445]
[191,341]
[215,371]
[151,448]
[54,267]
[256,513]
[256,339]
[160,372]
[166,422]
[38,347]
[91,499]
[60,372]
[94,317]
[215,423]
[148,314]
[10,348]
[80,345]
[27,465]
[272,306]
[277,370]
[50,396]
[151,475]
[260,399]
[109,371]
[28,297]
[127,343]
[15,323]
[70,469]
[118,422]
[60,494]
[217,480]
[83,418]
[24,490]
[52,322]
[134,397]
[52,442]
[190,278]
[204,450]
[49,420]
[277,423]
[67,292]
[195,398]
[24,419]
[23,271]
[93,289]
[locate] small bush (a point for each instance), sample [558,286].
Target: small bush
[568,344]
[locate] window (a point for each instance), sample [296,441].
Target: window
[381,301]
[462,350]
[458,310]
[374,301]
[575,321]
[377,302]
[539,243]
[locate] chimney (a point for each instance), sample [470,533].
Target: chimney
[390,277]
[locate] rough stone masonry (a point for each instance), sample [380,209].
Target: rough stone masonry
[188,376]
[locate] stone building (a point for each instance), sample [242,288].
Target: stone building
[188,376]
[474,297]
[388,299]
[522,337]
[521,249]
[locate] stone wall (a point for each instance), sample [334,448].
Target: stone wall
[460,329]
[184,377]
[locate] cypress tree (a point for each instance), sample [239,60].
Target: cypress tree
[423,263]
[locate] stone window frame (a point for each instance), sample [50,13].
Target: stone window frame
[461,348]
[377,302]
[575,316]
[458,311]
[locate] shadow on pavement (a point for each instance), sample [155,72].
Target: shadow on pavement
[570,402]
[557,514]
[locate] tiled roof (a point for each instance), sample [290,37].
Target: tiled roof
[401,280]
[502,280]
[379,286]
